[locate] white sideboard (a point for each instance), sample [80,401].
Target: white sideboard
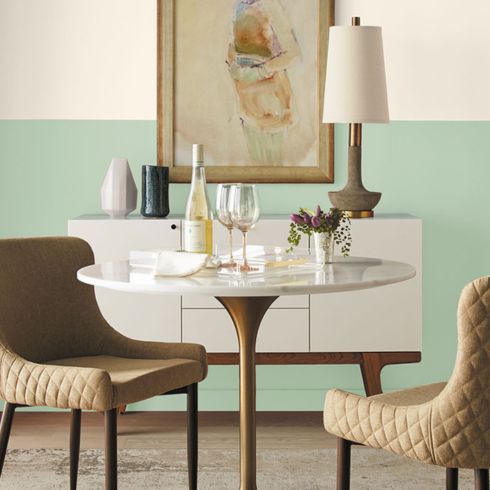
[386,319]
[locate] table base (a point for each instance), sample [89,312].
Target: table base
[247,313]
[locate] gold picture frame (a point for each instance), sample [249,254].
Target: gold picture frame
[321,172]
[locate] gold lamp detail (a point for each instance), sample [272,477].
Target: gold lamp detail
[355,93]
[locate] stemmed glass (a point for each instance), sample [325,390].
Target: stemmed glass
[244,212]
[224,217]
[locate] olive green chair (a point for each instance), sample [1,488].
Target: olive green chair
[443,424]
[56,350]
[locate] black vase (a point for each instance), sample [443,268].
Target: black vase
[154,190]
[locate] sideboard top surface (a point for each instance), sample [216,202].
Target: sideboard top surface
[136,217]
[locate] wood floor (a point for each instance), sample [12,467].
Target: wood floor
[218,430]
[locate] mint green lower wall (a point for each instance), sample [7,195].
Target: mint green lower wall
[52,170]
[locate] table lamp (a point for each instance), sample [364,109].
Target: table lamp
[355,93]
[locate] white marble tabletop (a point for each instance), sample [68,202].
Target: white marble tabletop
[345,274]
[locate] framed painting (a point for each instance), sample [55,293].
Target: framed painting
[245,78]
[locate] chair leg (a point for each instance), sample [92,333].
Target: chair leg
[75,423]
[5,426]
[111,449]
[343,464]
[481,479]
[452,478]
[192,437]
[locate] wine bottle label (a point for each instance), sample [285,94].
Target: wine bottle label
[198,236]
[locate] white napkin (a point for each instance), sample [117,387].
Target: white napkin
[179,264]
[168,263]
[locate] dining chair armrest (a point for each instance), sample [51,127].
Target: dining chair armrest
[120,345]
[27,383]
[401,429]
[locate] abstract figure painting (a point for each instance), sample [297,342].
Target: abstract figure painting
[244,78]
[262,49]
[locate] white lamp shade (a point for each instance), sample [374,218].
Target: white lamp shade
[355,82]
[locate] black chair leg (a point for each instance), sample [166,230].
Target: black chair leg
[75,424]
[5,427]
[481,479]
[343,464]
[192,441]
[452,478]
[111,449]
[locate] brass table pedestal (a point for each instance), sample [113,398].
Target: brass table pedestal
[247,313]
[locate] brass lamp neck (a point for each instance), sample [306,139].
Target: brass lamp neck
[355,134]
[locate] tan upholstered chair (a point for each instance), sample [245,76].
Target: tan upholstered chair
[444,424]
[56,349]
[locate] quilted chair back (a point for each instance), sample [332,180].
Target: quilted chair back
[461,413]
[45,312]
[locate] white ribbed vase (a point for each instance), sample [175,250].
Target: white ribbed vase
[324,245]
[118,193]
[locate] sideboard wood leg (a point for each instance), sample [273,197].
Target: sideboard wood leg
[371,366]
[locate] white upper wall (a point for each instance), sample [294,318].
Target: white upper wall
[437,55]
[77,59]
[96,59]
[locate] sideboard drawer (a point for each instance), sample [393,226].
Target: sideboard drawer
[213,328]
[285,330]
[114,239]
[380,319]
[282,330]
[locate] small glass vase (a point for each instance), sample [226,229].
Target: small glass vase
[324,244]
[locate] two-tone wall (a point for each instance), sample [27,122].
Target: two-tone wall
[77,86]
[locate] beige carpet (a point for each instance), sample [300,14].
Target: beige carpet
[277,469]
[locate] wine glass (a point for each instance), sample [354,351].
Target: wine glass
[224,217]
[244,212]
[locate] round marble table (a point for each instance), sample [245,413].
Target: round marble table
[247,299]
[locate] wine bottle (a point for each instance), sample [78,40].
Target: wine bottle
[198,223]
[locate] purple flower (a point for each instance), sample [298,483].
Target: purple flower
[307,219]
[296,218]
[318,211]
[316,222]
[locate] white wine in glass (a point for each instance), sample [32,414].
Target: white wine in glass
[244,212]
[224,217]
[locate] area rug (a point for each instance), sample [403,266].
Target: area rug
[279,469]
